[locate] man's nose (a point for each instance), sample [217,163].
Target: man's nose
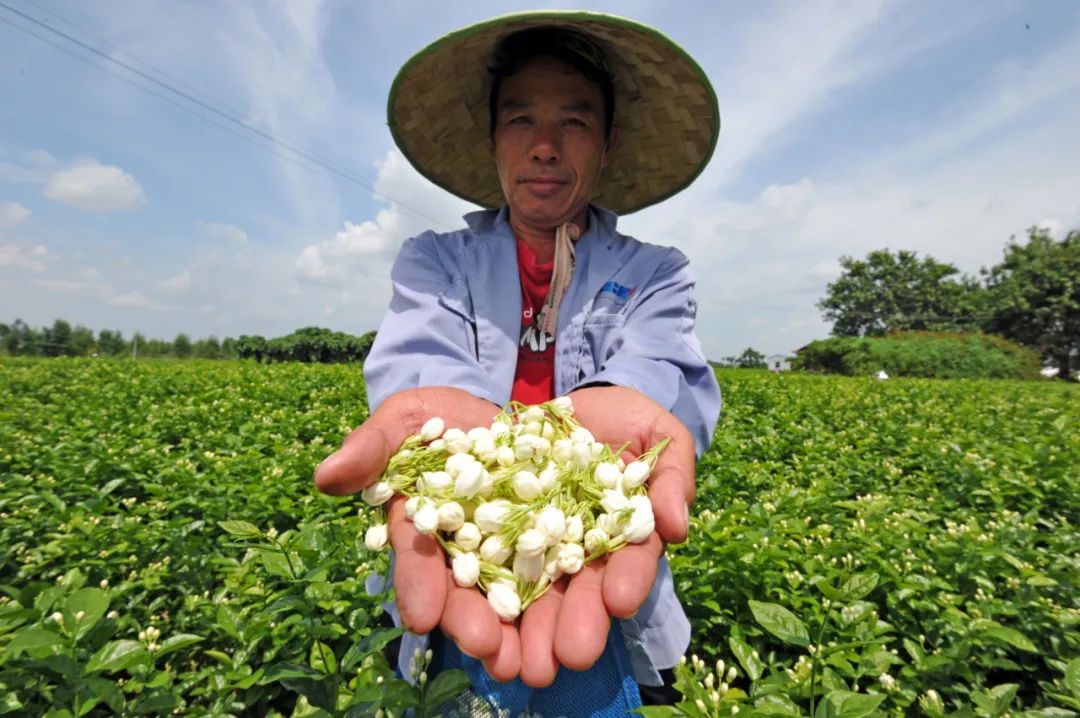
[546,146]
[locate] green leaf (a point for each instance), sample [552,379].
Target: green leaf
[745,655]
[29,639]
[108,691]
[241,529]
[365,701]
[822,584]
[777,705]
[845,704]
[1012,637]
[657,711]
[93,602]
[447,685]
[374,641]
[158,703]
[1072,677]
[858,586]
[780,622]
[227,622]
[317,687]
[117,655]
[322,659]
[995,701]
[175,642]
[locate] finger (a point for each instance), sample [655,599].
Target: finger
[469,620]
[506,663]
[419,571]
[538,662]
[629,575]
[362,457]
[671,484]
[583,624]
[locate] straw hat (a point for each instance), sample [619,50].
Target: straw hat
[665,109]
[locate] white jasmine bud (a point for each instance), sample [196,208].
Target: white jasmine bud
[470,480]
[80,615]
[480,433]
[503,597]
[526,485]
[564,404]
[375,537]
[641,523]
[580,455]
[529,567]
[451,516]
[457,441]
[635,474]
[456,462]
[548,477]
[732,673]
[377,494]
[104,583]
[541,447]
[468,536]
[596,450]
[499,429]
[411,505]
[437,445]
[432,429]
[113,615]
[596,541]
[426,519]
[434,482]
[700,705]
[607,474]
[552,524]
[494,551]
[574,529]
[490,515]
[561,450]
[613,501]
[581,435]
[504,456]
[571,557]
[531,543]
[466,569]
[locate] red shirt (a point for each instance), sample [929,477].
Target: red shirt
[534,377]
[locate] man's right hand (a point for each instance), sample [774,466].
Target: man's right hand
[426,593]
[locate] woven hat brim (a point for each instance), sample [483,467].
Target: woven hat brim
[665,109]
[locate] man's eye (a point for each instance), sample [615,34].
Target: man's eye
[574,122]
[519,120]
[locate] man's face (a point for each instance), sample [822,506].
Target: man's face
[549,143]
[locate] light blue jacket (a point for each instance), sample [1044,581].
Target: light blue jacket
[627,319]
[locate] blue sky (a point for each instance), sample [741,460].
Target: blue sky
[944,128]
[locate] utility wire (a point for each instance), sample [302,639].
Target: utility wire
[244,124]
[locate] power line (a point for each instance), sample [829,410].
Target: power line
[227,116]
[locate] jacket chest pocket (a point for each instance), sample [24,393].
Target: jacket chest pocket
[458,302]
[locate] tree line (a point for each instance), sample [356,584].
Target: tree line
[1031,297]
[310,344]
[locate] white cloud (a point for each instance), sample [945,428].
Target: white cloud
[179,283]
[130,299]
[219,230]
[12,255]
[90,185]
[368,247]
[12,214]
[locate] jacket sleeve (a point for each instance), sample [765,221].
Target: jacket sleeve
[428,336]
[657,353]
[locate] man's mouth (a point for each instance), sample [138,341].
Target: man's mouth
[543,186]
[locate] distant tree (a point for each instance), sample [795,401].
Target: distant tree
[228,348]
[111,343]
[1034,296]
[82,342]
[57,339]
[251,347]
[182,346]
[887,292]
[208,348]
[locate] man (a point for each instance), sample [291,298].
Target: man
[542,298]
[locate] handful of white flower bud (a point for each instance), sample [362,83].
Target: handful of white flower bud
[519,504]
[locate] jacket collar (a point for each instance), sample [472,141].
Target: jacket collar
[491,221]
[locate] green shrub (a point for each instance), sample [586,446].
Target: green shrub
[941,355]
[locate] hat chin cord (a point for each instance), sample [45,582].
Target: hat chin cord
[565,236]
